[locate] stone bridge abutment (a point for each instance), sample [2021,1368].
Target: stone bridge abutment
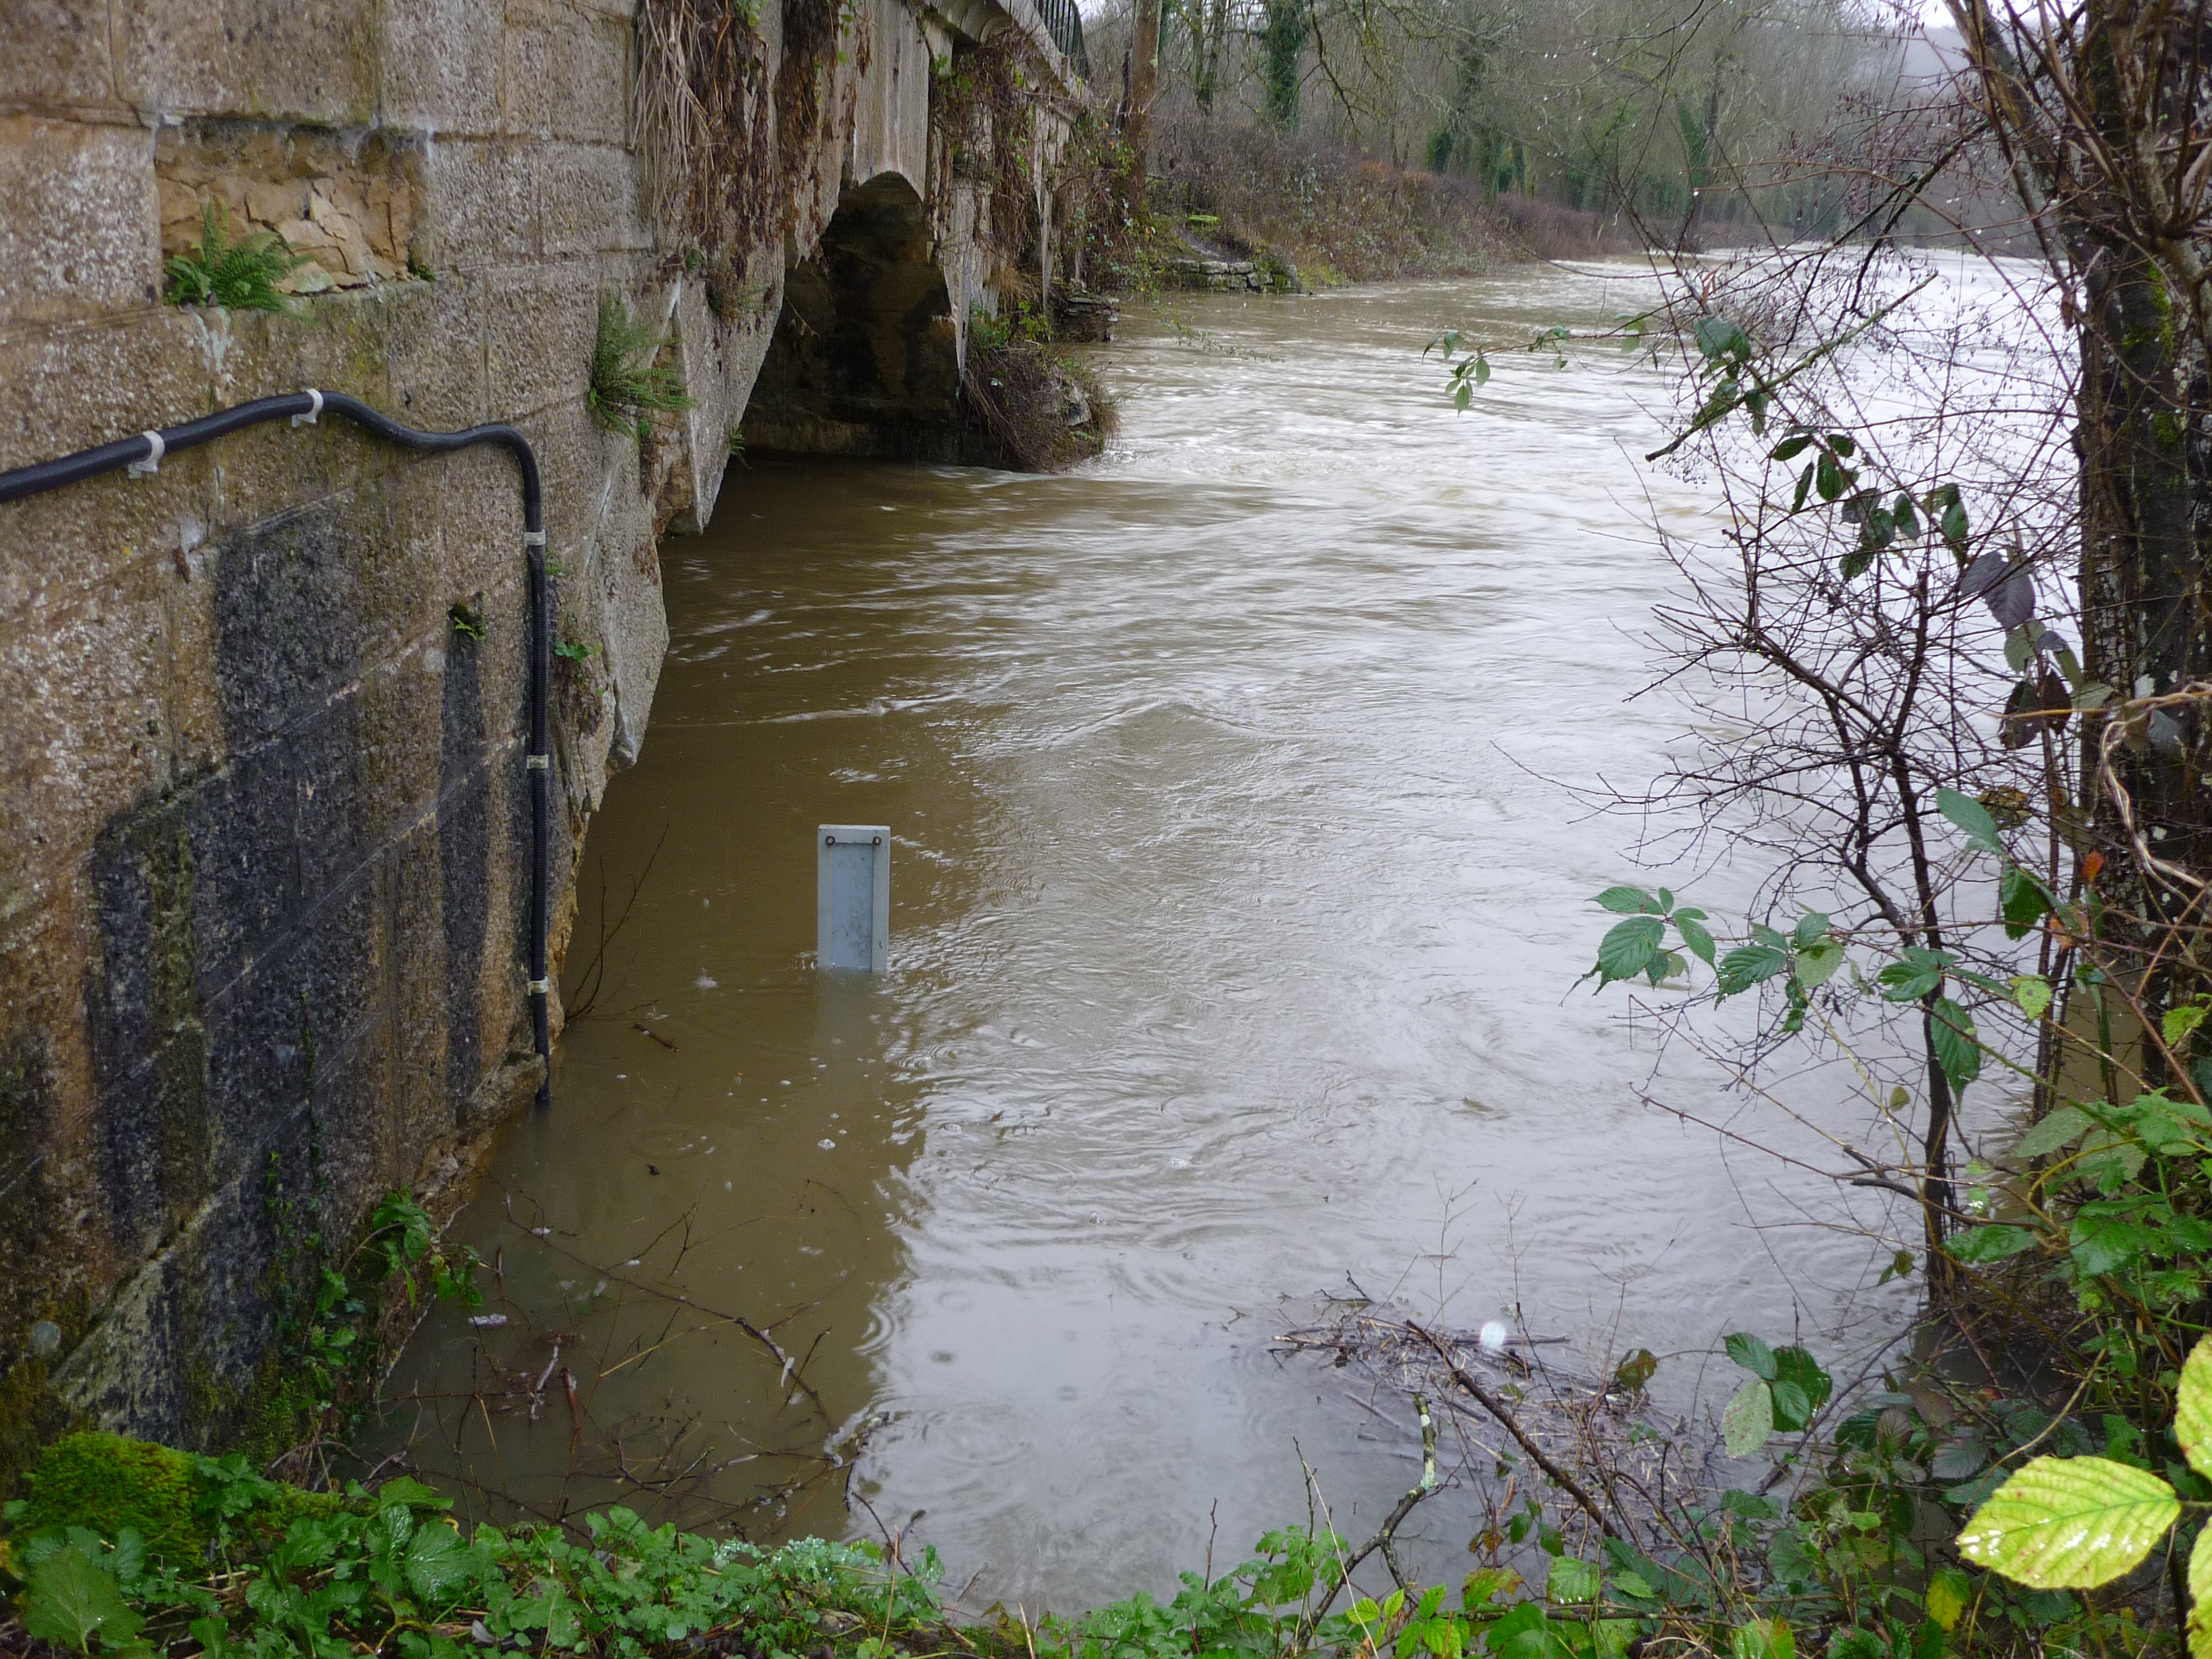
[263,809]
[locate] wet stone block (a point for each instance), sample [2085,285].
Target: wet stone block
[245,863]
[148,1046]
[290,1021]
[288,622]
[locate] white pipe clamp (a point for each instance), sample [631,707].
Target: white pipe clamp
[156,448]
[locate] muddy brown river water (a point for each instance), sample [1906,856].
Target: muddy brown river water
[1239,894]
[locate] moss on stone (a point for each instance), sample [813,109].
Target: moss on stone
[106,1482]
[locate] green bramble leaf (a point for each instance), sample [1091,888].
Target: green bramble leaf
[1832,478]
[1754,1355]
[1796,1366]
[1970,815]
[1751,964]
[1748,1423]
[1636,1370]
[1630,902]
[2192,1409]
[2022,900]
[1573,1579]
[1628,949]
[1952,1030]
[1792,1410]
[1953,526]
[2200,1596]
[1718,339]
[2070,1523]
[1690,924]
[2180,1025]
[1763,1638]
[1913,978]
[1791,447]
[1979,1245]
[2030,995]
[1948,1593]
[1816,965]
[2062,1126]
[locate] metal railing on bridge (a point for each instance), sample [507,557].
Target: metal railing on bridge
[1065,24]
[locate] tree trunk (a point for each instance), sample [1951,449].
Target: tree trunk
[1143,86]
[2105,123]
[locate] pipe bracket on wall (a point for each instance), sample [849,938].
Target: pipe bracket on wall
[141,456]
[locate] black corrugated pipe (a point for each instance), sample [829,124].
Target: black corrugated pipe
[143,454]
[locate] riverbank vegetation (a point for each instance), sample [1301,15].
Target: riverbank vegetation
[1443,135]
[1950,669]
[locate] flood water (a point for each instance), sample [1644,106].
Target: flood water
[1240,887]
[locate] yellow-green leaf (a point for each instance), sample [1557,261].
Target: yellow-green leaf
[1949,1592]
[1748,1422]
[2192,1407]
[2180,1022]
[2070,1522]
[2200,1597]
[1766,1638]
[2031,993]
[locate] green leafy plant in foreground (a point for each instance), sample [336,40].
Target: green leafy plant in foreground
[628,386]
[388,1572]
[236,276]
[2078,1523]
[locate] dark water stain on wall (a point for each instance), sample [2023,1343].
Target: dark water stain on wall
[464,862]
[234,991]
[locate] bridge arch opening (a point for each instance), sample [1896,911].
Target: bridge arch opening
[866,354]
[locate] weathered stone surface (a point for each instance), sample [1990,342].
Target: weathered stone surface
[266,59]
[79,234]
[441,63]
[265,826]
[485,205]
[54,56]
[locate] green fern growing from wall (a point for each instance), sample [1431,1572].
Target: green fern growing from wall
[236,276]
[628,386]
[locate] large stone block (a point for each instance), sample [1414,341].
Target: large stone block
[483,203]
[587,71]
[54,54]
[398,756]
[86,683]
[441,65]
[267,59]
[591,204]
[538,341]
[289,617]
[434,342]
[74,385]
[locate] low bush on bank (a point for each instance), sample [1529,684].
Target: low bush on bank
[1340,217]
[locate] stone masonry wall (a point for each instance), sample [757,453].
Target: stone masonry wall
[263,818]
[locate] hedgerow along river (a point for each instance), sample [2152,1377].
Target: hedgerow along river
[1240,889]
